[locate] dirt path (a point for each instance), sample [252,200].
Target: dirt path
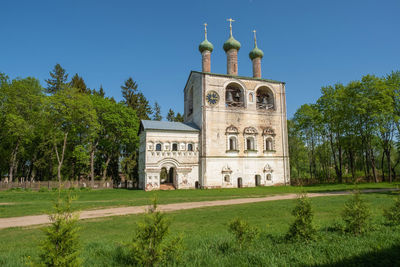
[89,214]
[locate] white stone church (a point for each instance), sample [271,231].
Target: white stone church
[234,132]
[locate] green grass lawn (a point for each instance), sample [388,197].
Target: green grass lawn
[208,243]
[20,203]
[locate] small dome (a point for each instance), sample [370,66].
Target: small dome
[255,53]
[231,43]
[206,45]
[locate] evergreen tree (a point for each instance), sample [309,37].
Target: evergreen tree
[61,246]
[135,99]
[157,112]
[171,115]
[58,79]
[302,228]
[78,83]
[179,117]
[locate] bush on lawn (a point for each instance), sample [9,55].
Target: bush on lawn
[151,245]
[243,232]
[356,215]
[61,246]
[302,228]
[392,214]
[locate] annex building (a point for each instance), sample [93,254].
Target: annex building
[234,132]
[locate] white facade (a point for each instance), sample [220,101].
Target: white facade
[234,135]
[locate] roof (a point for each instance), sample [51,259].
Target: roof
[237,77]
[168,126]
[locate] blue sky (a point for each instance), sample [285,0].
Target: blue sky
[307,44]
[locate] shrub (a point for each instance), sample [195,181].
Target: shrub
[61,245]
[43,189]
[150,245]
[356,215]
[302,228]
[392,214]
[243,232]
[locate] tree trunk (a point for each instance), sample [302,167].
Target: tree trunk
[389,163]
[383,165]
[13,160]
[105,169]
[92,164]
[60,159]
[373,166]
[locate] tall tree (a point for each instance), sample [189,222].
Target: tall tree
[78,83]
[171,115]
[135,99]
[58,79]
[157,112]
[179,117]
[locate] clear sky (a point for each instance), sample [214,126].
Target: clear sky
[307,44]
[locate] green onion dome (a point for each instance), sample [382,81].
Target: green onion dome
[206,45]
[231,43]
[255,53]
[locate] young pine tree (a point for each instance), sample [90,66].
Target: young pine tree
[171,115]
[61,245]
[150,245]
[243,232]
[392,214]
[302,227]
[356,215]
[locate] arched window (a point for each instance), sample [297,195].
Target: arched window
[269,144]
[158,147]
[269,177]
[227,179]
[234,96]
[250,143]
[175,147]
[232,143]
[190,147]
[251,96]
[265,98]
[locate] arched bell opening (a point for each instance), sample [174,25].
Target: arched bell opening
[234,96]
[265,98]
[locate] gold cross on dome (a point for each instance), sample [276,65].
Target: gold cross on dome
[230,24]
[255,38]
[205,30]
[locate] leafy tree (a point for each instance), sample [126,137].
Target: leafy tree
[157,112]
[58,79]
[171,115]
[356,215]
[136,100]
[69,112]
[150,246]
[243,232]
[302,228]
[61,246]
[117,135]
[20,107]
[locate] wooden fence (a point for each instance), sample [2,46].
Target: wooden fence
[36,185]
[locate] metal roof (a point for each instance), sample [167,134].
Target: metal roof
[168,126]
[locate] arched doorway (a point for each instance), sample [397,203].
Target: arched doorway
[239,182]
[258,180]
[171,175]
[163,176]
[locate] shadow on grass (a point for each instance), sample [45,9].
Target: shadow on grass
[384,257]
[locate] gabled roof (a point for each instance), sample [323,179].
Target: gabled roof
[168,126]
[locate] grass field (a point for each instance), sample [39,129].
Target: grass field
[20,203]
[207,242]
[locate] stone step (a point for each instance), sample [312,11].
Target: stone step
[167,187]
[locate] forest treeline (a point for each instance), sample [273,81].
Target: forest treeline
[351,132]
[68,131]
